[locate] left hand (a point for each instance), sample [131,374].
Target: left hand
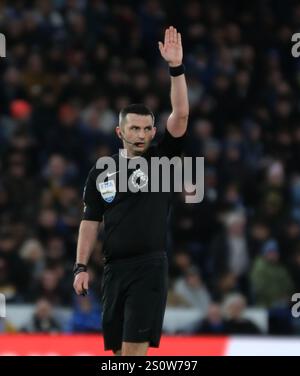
[171,49]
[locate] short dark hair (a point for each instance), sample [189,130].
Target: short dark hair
[135,108]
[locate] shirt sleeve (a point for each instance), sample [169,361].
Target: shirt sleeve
[171,146]
[93,203]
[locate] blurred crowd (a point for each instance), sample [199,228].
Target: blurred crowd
[71,66]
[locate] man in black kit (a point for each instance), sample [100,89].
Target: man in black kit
[134,284]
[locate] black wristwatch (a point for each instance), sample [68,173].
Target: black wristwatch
[78,268]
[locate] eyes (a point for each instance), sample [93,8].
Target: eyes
[146,129]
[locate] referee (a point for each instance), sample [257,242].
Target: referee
[134,283]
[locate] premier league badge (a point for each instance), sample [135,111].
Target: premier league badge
[108,190]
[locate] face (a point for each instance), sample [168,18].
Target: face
[139,131]
[214,313]
[236,309]
[237,227]
[272,256]
[193,280]
[43,309]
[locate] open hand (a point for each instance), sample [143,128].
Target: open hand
[171,49]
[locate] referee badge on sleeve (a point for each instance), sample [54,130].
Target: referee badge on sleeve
[108,190]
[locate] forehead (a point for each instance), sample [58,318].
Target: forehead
[141,120]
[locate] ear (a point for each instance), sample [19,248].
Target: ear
[118,132]
[153,132]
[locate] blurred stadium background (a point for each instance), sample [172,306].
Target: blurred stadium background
[71,65]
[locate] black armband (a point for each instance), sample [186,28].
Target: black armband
[177,71]
[78,268]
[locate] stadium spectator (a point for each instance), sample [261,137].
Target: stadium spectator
[212,323]
[43,319]
[271,281]
[86,317]
[192,290]
[234,323]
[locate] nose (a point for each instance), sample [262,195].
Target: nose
[141,134]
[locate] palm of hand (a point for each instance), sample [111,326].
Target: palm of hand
[171,49]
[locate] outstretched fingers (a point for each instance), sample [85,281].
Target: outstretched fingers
[179,38]
[161,47]
[172,36]
[167,37]
[175,36]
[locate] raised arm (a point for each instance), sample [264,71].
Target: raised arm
[171,51]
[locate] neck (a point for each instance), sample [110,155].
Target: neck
[128,154]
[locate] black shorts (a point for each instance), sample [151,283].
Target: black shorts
[134,295]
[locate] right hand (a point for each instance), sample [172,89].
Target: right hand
[81,283]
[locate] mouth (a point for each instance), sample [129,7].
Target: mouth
[139,144]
